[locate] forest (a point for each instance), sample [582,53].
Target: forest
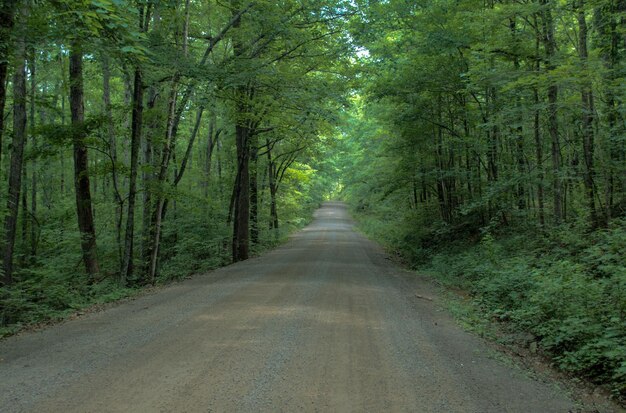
[483,142]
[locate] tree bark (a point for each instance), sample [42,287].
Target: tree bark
[148,180]
[81,176]
[24,238]
[106,100]
[609,21]
[241,230]
[33,186]
[271,168]
[537,135]
[157,214]
[553,124]
[254,192]
[539,156]
[241,227]
[212,139]
[17,159]
[587,118]
[135,142]
[519,130]
[127,267]
[7,12]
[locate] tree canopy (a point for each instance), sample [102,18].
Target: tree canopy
[198,133]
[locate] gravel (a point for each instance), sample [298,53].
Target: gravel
[323,324]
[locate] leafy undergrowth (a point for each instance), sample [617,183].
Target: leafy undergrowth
[45,299]
[57,290]
[566,290]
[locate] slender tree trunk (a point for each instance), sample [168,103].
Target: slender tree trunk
[81,177]
[553,124]
[241,230]
[492,145]
[34,171]
[63,121]
[271,168]
[127,266]
[24,235]
[539,156]
[7,12]
[17,158]
[254,192]
[519,131]
[537,135]
[135,142]
[148,180]
[110,128]
[186,161]
[587,117]
[218,160]
[179,173]
[161,179]
[611,55]
[212,140]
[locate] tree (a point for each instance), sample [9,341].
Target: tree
[17,151]
[81,174]
[7,12]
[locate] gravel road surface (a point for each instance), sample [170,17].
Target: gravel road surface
[324,323]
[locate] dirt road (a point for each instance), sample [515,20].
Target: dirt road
[322,324]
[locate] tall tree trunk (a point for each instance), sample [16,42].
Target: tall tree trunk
[63,121]
[157,214]
[33,186]
[24,235]
[537,134]
[539,156]
[519,131]
[81,176]
[127,266]
[587,117]
[106,100]
[212,140]
[241,227]
[609,20]
[135,141]
[7,11]
[493,133]
[148,178]
[254,192]
[17,158]
[241,230]
[553,124]
[271,169]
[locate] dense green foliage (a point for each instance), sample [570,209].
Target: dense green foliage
[488,146]
[177,95]
[484,141]
[566,289]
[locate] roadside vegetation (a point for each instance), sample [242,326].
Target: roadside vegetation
[144,141]
[487,146]
[564,294]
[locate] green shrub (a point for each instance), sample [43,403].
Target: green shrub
[567,287]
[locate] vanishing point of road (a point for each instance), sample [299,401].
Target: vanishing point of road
[324,323]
